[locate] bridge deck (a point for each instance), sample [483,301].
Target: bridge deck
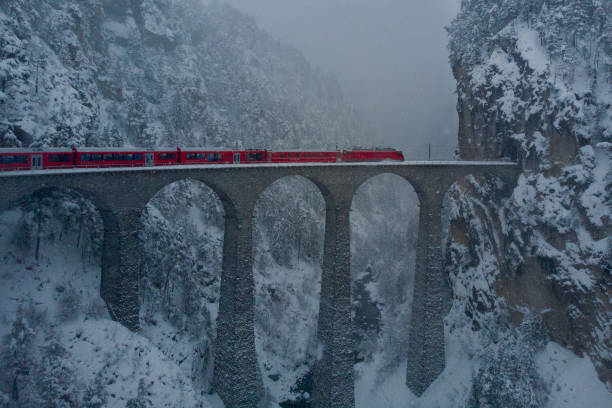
[256,165]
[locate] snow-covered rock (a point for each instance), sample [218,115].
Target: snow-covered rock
[535,85]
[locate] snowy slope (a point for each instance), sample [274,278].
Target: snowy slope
[57,337]
[534,84]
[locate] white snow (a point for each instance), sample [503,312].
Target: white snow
[593,199]
[572,380]
[287,326]
[104,347]
[528,43]
[97,347]
[123,30]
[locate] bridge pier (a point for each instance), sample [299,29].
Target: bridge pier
[121,263]
[333,373]
[426,350]
[237,378]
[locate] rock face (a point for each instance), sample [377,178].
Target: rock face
[157,72]
[534,83]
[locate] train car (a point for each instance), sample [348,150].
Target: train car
[110,157]
[368,155]
[55,158]
[163,157]
[205,156]
[253,156]
[28,159]
[213,156]
[295,156]
[17,159]
[59,158]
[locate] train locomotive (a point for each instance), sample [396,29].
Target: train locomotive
[84,157]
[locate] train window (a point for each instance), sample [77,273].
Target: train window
[14,159]
[138,156]
[85,157]
[254,156]
[214,157]
[59,158]
[167,156]
[108,156]
[128,156]
[196,156]
[96,157]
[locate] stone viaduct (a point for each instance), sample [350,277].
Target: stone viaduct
[122,194]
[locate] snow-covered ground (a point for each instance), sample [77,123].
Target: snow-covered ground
[571,380]
[52,307]
[287,307]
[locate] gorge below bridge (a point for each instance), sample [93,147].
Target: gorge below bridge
[121,195]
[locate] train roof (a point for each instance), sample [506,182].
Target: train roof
[376,149]
[16,150]
[214,149]
[125,149]
[303,150]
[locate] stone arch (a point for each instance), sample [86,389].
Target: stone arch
[384,225]
[123,251]
[183,227]
[288,244]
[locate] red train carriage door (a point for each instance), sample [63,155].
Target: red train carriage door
[236,158]
[36,161]
[149,159]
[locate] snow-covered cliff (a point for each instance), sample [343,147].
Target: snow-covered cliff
[534,83]
[157,72]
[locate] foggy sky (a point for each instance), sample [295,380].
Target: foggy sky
[390,57]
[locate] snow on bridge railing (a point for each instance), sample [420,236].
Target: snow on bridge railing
[256,165]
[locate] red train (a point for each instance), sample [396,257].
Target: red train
[28,159]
